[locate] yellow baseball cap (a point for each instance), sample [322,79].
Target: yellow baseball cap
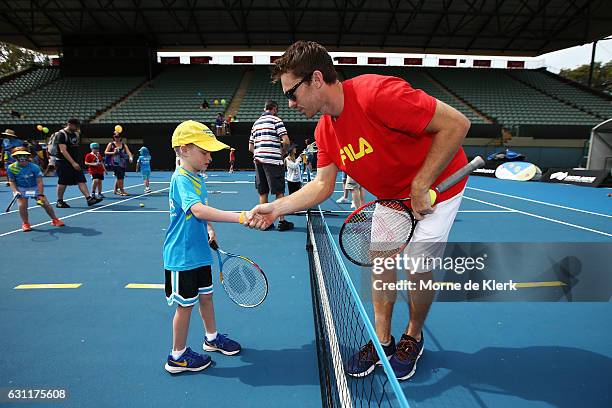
[20,152]
[197,133]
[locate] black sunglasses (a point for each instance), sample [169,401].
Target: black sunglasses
[290,93]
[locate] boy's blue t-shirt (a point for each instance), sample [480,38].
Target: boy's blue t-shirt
[186,244]
[145,164]
[24,177]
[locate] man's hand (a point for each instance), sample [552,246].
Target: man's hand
[261,216]
[76,166]
[420,203]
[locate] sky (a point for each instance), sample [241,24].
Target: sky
[554,61]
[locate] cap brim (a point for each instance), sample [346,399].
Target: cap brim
[211,146]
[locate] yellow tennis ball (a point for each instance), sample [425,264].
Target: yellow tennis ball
[142,204]
[432,197]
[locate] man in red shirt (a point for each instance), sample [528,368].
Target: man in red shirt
[395,141]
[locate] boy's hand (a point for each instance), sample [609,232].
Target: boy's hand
[212,236]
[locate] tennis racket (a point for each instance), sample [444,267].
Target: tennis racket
[8,208]
[243,280]
[383,228]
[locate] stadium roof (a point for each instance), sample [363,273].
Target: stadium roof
[493,27]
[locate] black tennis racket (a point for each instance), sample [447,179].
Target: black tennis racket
[383,228]
[243,280]
[8,208]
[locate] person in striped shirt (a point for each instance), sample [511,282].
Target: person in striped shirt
[268,140]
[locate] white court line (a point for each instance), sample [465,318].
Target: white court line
[130,211]
[69,199]
[88,211]
[541,217]
[540,202]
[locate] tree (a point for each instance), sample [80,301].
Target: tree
[602,75]
[13,58]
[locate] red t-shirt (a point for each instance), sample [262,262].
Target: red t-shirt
[379,139]
[89,158]
[232,156]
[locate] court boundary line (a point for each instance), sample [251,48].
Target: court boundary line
[540,202]
[69,199]
[541,217]
[87,211]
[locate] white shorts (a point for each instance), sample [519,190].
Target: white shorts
[428,239]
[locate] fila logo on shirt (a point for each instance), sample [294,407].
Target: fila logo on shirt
[348,151]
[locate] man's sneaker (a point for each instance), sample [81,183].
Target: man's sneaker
[188,361]
[100,195]
[365,360]
[284,225]
[26,227]
[57,222]
[147,190]
[62,204]
[404,361]
[342,200]
[223,344]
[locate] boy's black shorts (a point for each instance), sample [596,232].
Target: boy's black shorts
[184,287]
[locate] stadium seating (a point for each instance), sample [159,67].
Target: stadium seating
[508,101]
[75,97]
[27,82]
[419,80]
[570,94]
[260,90]
[177,94]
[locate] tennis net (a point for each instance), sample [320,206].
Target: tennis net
[342,327]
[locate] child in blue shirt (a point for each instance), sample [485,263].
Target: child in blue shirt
[26,181]
[187,257]
[143,164]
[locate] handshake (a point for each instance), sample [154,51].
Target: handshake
[260,217]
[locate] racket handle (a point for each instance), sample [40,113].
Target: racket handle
[213,245]
[476,163]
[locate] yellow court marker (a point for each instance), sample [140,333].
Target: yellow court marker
[539,284]
[49,286]
[145,286]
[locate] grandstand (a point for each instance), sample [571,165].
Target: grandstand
[508,101]
[177,93]
[419,79]
[26,81]
[56,101]
[260,90]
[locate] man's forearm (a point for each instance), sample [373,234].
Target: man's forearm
[444,146]
[311,194]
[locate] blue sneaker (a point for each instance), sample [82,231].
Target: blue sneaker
[223,344]
[188,361]
[404,361]
[365,360]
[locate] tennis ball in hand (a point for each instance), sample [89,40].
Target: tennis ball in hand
[40,202]
[141,205]
[432,197]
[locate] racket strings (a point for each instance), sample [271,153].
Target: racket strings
[379,230]
[243,281]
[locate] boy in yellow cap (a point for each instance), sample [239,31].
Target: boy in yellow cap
[187,257]
[26,181]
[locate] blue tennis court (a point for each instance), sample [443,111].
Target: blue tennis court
[83,307]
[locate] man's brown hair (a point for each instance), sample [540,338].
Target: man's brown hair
[302,58]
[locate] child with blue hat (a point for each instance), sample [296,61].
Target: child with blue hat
[143,164]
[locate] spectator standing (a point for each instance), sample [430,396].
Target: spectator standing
[69,170]
[268,136]
[119,154]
